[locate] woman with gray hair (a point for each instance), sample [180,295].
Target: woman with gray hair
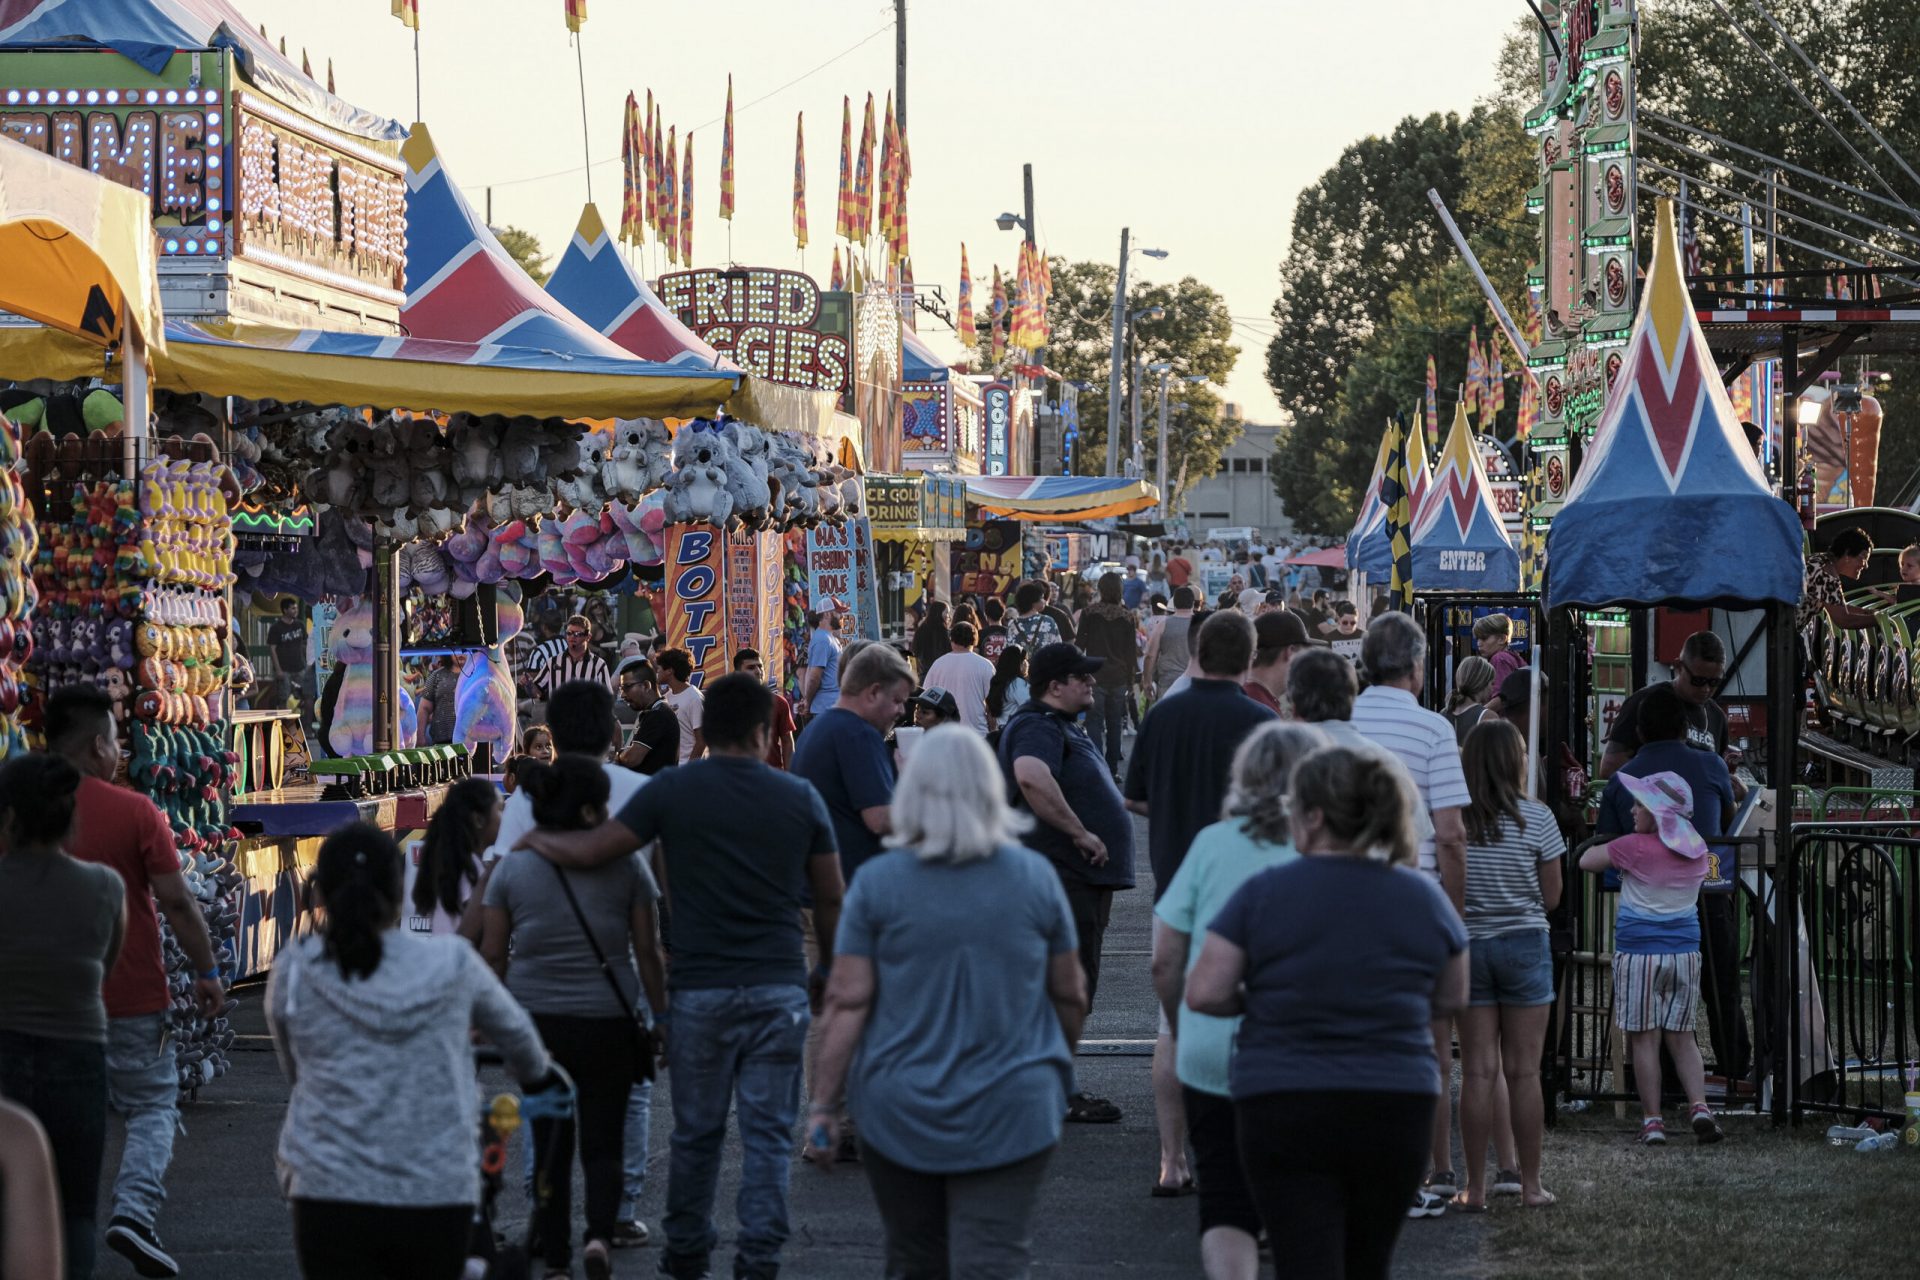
[950,1018]
[1251,836]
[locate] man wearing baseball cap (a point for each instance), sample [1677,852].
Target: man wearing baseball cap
[933,707]
[1080,822]
[1277,637]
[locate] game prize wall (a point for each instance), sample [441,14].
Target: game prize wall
[132,578]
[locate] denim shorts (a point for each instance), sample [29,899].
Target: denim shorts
[1512,969]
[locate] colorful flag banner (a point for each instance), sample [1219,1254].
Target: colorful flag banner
[576,14]
[670,199]
[1494,398]
[306,67]
[1476,371]
[887,137]
[1394,496]
[726,158]
[330,88]
[838,281]
[843,200]
[969,337]
[800,179]
[631,180]
[686,207]
[998,313]
[863,179]
[1433,399]
[656,151]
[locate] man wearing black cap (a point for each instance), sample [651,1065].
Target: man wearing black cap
[933,707]
[1277,637]
[1080,823]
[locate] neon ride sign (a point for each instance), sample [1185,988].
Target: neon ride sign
[766,320]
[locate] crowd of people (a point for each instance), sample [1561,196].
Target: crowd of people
[888,897]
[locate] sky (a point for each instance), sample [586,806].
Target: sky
[1196,125]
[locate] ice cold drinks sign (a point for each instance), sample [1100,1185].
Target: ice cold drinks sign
[765,319]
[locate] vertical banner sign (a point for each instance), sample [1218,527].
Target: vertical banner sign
[866,590]
[829,566]
[999,400]
[769,572]
[740,586]
[694,622]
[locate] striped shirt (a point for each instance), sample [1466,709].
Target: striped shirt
[1424,741]
[539,656]
[1503,874]
[558,671]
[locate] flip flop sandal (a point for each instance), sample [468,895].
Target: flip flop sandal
[1161,1191]
[1460,1204]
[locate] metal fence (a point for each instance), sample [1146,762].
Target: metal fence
[1848,908]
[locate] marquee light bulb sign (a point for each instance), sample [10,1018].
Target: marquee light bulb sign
[766,320]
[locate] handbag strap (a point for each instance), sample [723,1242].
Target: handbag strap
[606,969]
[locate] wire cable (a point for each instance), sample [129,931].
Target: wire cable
[1858,243]
[1671,123]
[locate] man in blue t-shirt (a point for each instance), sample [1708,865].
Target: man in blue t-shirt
[744,846]
[820,681]
[1133,588]
[1663,725]
[844,752]
[1081,824]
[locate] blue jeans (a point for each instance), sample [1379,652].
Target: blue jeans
[64,1084]
[740,1046]
[1107,720]
[143,1085]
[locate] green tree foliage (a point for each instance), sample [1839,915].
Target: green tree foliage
[1371,286]
[1195,335]
[524,248]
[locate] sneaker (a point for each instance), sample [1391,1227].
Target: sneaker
[137,1243]
[1442,1183]
[1653,1132]
[630,1234]
[1507,1183]
[1705,1127]
[1426,1205]
[597,1258]
[680,1266]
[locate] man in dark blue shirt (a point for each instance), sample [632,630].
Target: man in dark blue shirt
[843,751]
[1080,822]
[744,845]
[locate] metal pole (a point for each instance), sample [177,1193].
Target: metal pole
[900,64]
[386,644]
[138,409]
[1486,286]
[416,75]
[580,62]
[1113,374]
[1160,448]
[1133,398]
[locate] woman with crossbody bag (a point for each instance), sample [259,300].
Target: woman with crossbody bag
[582,945]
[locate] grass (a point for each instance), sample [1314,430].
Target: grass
[1768,1201]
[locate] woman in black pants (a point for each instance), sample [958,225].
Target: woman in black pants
[1339,962]
[576,936]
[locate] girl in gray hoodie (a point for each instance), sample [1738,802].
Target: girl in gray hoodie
[371,1023]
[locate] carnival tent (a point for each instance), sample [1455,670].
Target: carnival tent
[78,251]
[1321,558]
[148,32]
[1372,512]
[462,286]
[1375,554]
[324,367]
[918,363]
[1459,543]
[600,287]
[1669,504]
[1057,498]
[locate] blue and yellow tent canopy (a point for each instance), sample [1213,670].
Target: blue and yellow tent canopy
[1060,497]
[1459,543]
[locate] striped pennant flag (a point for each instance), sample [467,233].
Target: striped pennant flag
[1397,499]
[408,11]
[843,214]
[1476,371]
[887,138]
[863,179]
[800,179]
[649,179]
[630,175]
[726,157]
[838,281]
[998,316]
[670,199]
[969,337]
[686,206]
[1433,400]
[576,15]
[1494,398]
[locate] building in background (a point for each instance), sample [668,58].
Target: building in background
[1240,492]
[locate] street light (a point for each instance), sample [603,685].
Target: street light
[1008,221]
[1165,370]
[1120,322]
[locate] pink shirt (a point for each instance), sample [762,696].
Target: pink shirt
[1654,880]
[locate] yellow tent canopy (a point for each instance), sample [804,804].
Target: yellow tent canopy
[78,251]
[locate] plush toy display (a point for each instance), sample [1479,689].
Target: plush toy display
[346,704]
[697,490]
[485,706]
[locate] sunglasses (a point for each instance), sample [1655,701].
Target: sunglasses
[1699,681]
[576,635]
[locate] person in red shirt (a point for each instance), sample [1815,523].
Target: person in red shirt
[1179,571]
[780,748]
[123,830]
[1278,636]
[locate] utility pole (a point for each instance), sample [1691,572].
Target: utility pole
[1133,396]
[1113,375]
[900,64]
[1160,449]
[1026,174]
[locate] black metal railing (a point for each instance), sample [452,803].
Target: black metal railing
[1846,929]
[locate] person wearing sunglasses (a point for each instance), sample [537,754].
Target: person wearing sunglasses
[578,661]
[1696,678]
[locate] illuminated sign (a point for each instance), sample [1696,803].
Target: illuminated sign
[765,320]
[999,400]
[923,425]
[893,502]
[313,202]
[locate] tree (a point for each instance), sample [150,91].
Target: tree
[524,248]
[1195,336]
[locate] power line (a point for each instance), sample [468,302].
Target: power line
[1858,243]
[1670,123]
[562,173]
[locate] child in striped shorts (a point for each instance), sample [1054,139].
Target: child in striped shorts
[1656,963]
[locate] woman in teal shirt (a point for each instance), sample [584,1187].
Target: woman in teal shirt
[1251,837]
[954,1004]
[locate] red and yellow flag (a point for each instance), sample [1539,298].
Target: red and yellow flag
[863,179]
[726,157]
[969,337]
[998,316]
[630,198]
[661,194]
[576,14]
[1476,372]
[843,214]
[648,178]
[902,179]
[306,67]
[838,280]
[408,11]
[330,88]
[686,206]
[670,199]
[800,179]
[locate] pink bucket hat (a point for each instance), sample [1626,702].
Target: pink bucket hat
[1670,800]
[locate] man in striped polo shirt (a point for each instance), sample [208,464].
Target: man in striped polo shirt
[1388,713]
[577,661]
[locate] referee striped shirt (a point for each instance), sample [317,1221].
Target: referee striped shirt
[1424,741]
[588,666]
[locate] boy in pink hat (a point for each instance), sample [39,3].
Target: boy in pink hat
[1656,962]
